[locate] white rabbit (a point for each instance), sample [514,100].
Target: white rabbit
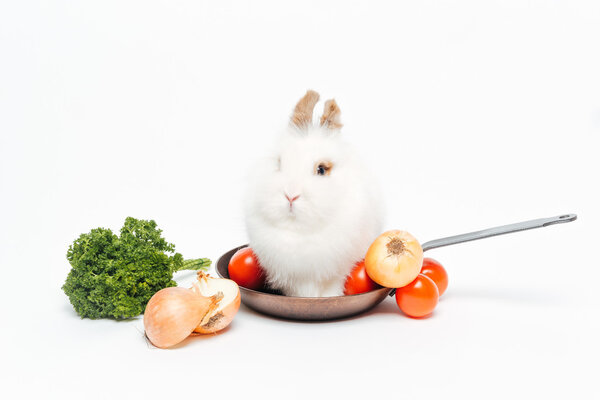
[312,208]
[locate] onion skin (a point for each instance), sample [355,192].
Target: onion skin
[172,314]
[394,259]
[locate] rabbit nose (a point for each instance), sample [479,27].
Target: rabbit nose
[291,199]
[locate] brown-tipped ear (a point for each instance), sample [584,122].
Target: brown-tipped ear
[304,109]
[331,115]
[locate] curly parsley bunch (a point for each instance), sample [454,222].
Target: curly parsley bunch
[115,276]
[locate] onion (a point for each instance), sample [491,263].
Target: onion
[172,314]
[229,305]
[394,259]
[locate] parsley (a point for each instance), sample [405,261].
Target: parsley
[115,276]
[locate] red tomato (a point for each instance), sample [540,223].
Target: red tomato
[245,270]
[434,270]
[358,281]
[418,298]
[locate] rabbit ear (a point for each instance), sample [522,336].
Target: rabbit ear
[331,115]
[304,109]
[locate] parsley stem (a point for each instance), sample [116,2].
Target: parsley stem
[195,264]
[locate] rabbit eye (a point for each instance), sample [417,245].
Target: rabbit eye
[323,168]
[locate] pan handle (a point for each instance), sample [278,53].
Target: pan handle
[499,230]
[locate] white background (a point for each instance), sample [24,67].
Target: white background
[473,114]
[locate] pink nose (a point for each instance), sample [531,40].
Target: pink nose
[291,199]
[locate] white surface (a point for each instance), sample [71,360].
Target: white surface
[474,114]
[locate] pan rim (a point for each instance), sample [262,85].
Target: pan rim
[315,299]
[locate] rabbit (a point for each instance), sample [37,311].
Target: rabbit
[312,208]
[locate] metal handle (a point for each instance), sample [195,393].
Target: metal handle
[499,230]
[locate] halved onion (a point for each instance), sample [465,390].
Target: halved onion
[221,316]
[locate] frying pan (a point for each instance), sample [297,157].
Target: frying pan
[327,308]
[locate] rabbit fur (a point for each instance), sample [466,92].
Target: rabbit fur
[312,208]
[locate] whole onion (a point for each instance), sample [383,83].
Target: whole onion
[174,312]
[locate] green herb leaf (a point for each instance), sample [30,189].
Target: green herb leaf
[115,276]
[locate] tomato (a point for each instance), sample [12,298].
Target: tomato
[418,298]
[434,270]
[245,270]
[358,281]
